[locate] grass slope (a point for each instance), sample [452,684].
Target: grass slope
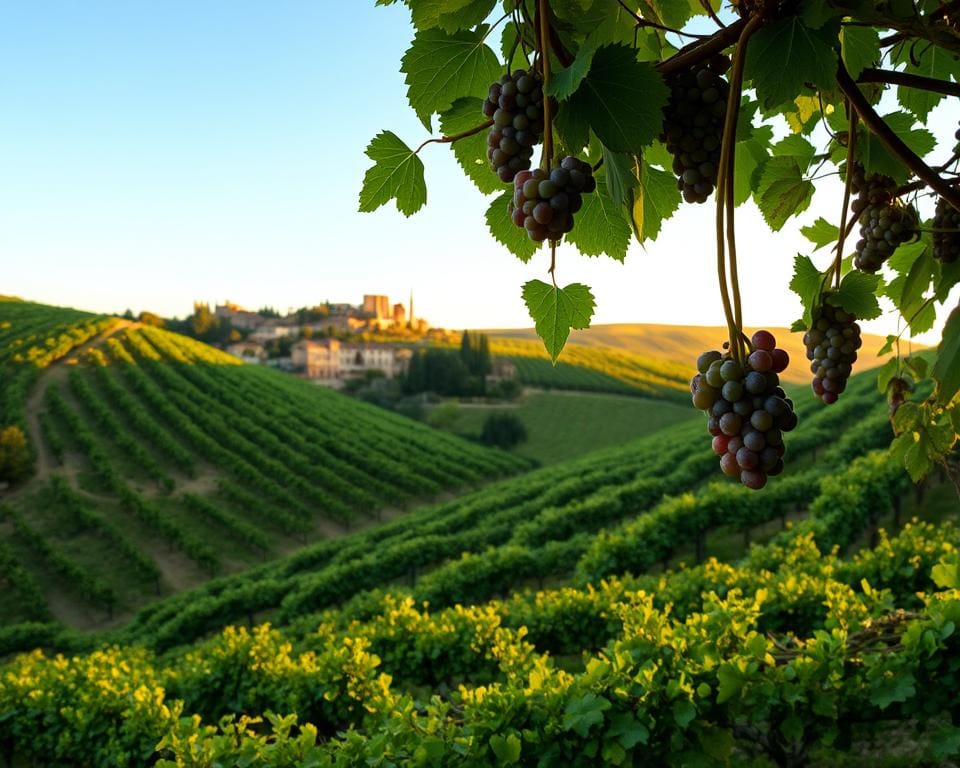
[161,462]
[667,350]
[566,425]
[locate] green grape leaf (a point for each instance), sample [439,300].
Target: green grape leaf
[441,68]
[506,748]
[783,191]
[730,681]
[620,171]
[877,159]
[580,715]
[784,56]
[931,61]
[887,690]
[627,730]
[623,99]
[463,14]
[821,233]
[571,126]
[655,200]
[396,173]
[887,371]
[947,368]
[751,157]
[796,146]
[807,283]
[859,48]
[505,232]
[946,574]
[564,84]
[556,310]
[858,295]
[471,152]
[600,227]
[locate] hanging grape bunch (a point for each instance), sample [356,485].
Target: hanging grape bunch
[946,232]
[544,203]
[693,126]
[885,222]
[832,343]
[747,410]
[516,105]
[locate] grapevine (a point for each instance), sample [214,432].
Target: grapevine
[639,110]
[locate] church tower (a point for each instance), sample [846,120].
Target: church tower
[410,315]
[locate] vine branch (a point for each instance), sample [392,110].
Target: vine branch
[545,29]
[851,150]
[910,81]
[891,141]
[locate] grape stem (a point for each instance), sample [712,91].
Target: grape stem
[891,141]
[543,12]
[851,149]
[456,136]
[725,197]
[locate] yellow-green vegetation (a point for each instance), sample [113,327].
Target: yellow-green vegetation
[594,369]
[667,351]
[565,425]
[159,462]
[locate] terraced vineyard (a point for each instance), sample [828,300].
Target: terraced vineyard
[538,614]
[161,462]
[641,504]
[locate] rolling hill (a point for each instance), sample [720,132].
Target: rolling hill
[160,462]
[539,620]
[649,357]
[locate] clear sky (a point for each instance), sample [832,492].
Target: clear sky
[157,151]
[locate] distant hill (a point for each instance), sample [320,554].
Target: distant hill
[159,462]
[669,350]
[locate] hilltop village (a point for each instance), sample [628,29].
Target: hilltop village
[328,343]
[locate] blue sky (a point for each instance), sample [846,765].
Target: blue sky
[157,151]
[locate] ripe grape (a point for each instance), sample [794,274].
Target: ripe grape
[946,232]
[515,103]
[693,125]
[885,222]
[747,410]
[544,203]
[832,343]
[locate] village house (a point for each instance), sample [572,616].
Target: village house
[331,361]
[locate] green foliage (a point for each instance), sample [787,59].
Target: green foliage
[610,67]
[556,310]
[397,174]
[14,454]
[503,430]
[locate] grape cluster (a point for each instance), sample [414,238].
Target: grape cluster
[832,345]
[516,105]
[946,232]
[693,125]
[747,410]
[885,222]
[544,204]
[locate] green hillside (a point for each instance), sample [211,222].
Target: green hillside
[161,462]
[568,424]
[603,606]
[531,622]
[542,525]
[648,357]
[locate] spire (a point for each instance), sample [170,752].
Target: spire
[410,315]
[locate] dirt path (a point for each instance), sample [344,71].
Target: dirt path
[57,372]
